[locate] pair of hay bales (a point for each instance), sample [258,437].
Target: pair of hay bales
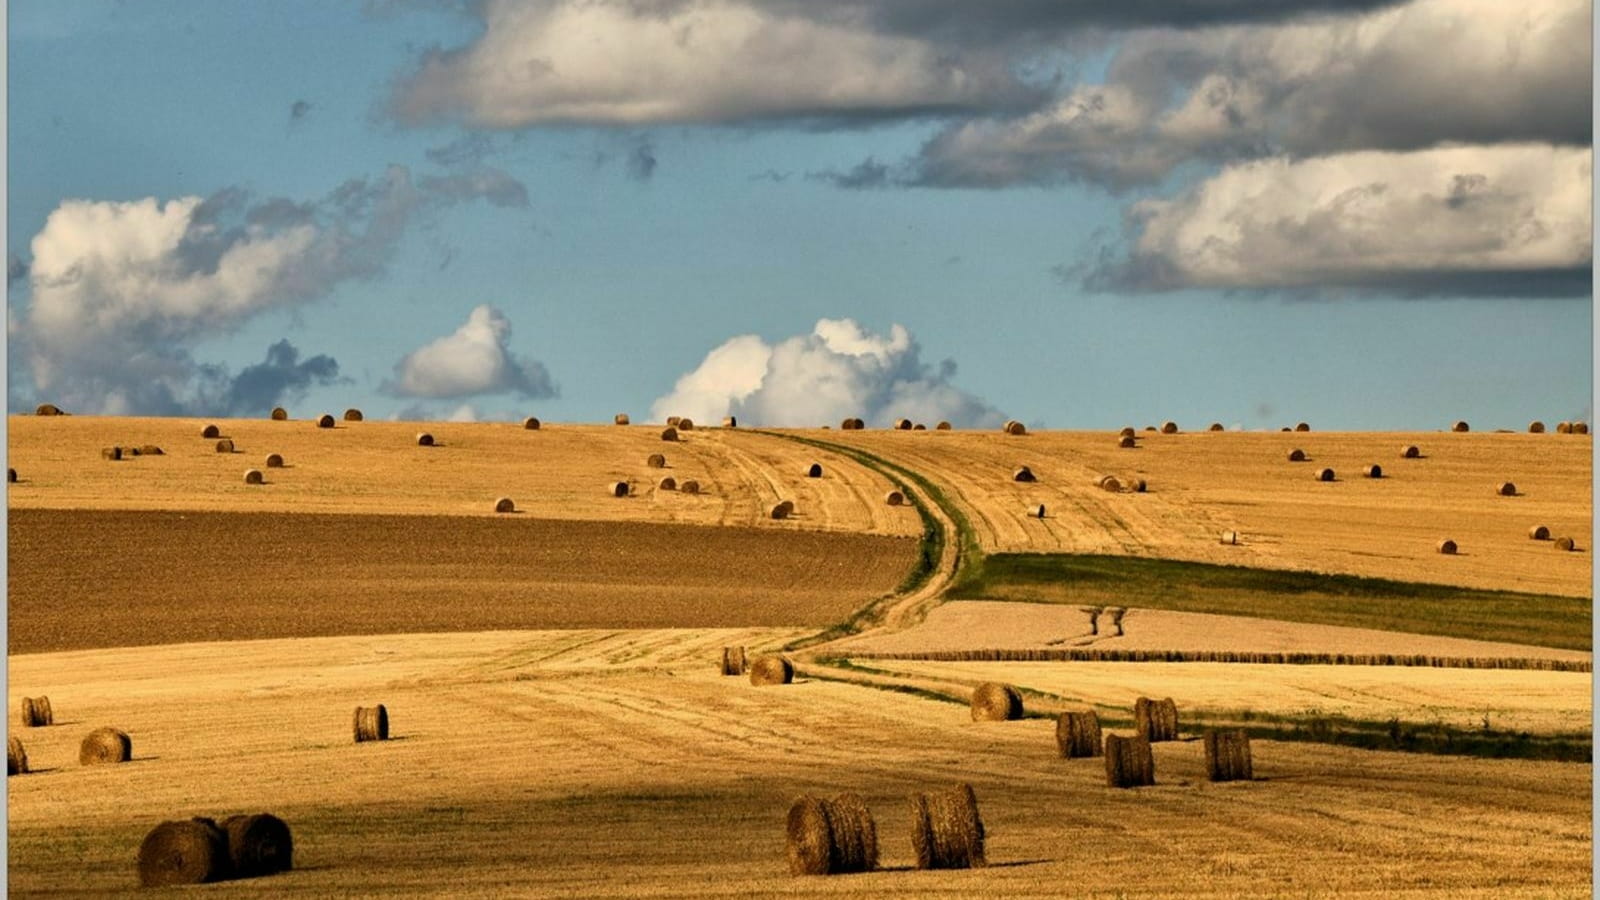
[1542,533]
[852,425]
[1012,426]
[37,713]
[769,670]
[371,723]
[829,837]
[733,661]
[199,850]
[783,509]
[1572,428]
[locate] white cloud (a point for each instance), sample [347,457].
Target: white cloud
[474,360]
[1444,218]
[1406,77]
[619,62]
[837,370]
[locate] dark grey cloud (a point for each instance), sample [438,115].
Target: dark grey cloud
[642,160]
[282,378]
[867,174]
[299,110]
[16,269]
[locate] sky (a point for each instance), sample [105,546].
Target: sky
[1363,214]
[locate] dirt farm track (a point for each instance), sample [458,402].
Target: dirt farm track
[559,727]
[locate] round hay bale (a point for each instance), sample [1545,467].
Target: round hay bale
[1538,533]
[111,453]
[11,476]
[258,845]
[1447,547]
[1129,762]
[1565,544]
[685,424]
[1127,432]
[1301,426]
[1324,474]
[781,509]
[1136,485]
[424,439]
[16,757]
[37,712]
[1297,455]
[1506,489]
[150,450]
[733,661]
[768,670]
[254,476]
[656,461]
[371,723]
[1155,720]
[946,830]
[669,434]
[942,426]
[189,852]
[1228,755]
[667,483]
[211,431]
[1563,428]
[1373,470]
[1286,428]
[1169,427]
[1036,511]
[48,409]
[1580,428]
[279,414]
[919,427]
[620,419]
[1230,537]
[814,470]
[831,837]
[104,746]
[324,421]
[689,487]
[1215,426]
[674,420]
[1461,427]
[619,489]
[1127,442]
[902,425]
[531,423]
[894,498]
[1410,451]
[730,422]
[1023,473]
[225,445]
[996,702]
[505,505]
[1016,428]
[352,415]
[847,425]
[274,460]
[1109,483]
[1536,427]
[1078,735]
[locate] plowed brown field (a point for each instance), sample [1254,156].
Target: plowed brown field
[82,579]
[1201,484]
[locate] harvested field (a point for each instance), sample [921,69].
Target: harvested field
[678,780]
[1203,484]
[96,578]
[375,467]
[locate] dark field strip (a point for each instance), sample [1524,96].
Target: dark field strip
[1069,654]
[83,579]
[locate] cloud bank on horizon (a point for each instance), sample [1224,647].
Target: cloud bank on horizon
[837,371]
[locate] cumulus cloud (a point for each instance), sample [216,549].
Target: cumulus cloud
[620,62]
[837,370]
[473,360]
[1505,219]
[1407,77]
[117,292]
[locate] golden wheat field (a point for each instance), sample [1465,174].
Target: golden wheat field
[559,727]
[1201,484]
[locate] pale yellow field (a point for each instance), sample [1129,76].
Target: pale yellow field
[559,471]
[616,764]
[1204,483]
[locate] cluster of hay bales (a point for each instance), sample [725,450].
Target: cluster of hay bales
[770,670]
[279,414]
[49,409]
[324,421]
[1228,756]
[505,505]
[1169,427]
[814,470]
[1023,473]
[371,723]
[37,713]
[852,425]
[894,498]
[946,829]
[831,837]
[669,433]
[1078,735]
[733,661]
[619,489]
[1156,720]
[16,757]
[105,746]
[1447,547]
[254,476]
[1129,762]
[667,483]
[996,702]
[531,423]
[1325,474]
[1012,426]
[199,851]
[1563,428]
[1506,489]
[353,415]
[620,419]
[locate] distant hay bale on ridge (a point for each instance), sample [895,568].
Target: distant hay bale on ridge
[1128,432]
[1215,426]
[902,425]
[105,746]
[946,829]
[996,702]
[1536,427]
[48,409]
[620,419]
[730,422]
[353,415]
[1302,426]
[1580,428]
[1461,427]
[325,421]
[685,424]
[279,414]
[674,420]
[1169,427]
[1563,428]
[770,670]
[942,426]
[1015,427]
[531,423]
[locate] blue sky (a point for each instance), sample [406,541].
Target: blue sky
[1111,238]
